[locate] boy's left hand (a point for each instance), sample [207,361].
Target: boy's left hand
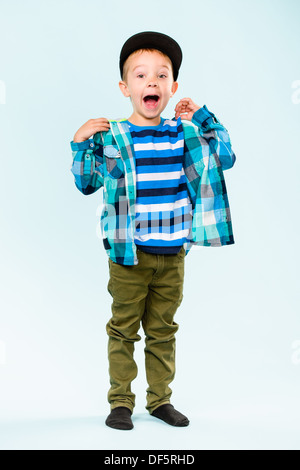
[185,108]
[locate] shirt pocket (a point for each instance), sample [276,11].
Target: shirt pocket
[114,162]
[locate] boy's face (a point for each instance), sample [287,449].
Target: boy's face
[148,73]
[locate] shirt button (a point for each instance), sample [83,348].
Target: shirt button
[92,145]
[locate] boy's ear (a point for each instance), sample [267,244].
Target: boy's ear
[124,88]
[174,88]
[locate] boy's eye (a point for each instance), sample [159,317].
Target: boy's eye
[141,75]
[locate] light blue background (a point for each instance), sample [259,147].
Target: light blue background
[238,346]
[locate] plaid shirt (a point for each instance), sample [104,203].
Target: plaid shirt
[108,160]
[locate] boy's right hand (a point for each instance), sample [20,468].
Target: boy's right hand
[90,128]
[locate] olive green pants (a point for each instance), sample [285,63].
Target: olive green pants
[148,293]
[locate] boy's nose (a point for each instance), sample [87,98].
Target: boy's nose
[152,84]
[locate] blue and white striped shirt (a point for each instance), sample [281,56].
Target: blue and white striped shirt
[163,208]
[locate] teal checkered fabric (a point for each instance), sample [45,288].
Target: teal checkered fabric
[107,160]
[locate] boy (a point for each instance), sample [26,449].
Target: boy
[164,190]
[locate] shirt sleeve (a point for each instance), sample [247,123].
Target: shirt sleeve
[216,135]
[87,165]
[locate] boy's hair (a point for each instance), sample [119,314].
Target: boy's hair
[125,66]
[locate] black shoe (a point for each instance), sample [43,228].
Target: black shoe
[170,416]
[120,418]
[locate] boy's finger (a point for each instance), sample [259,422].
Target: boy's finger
[183,103]
[106,121]
[180,105]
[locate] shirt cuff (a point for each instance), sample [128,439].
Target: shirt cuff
[204,117]
[86,144]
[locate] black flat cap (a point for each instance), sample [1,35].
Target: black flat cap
[155,40]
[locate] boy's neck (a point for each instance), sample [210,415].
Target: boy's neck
[137,120]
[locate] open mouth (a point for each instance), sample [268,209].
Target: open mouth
[151,101]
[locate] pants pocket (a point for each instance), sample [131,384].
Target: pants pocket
[181,253]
